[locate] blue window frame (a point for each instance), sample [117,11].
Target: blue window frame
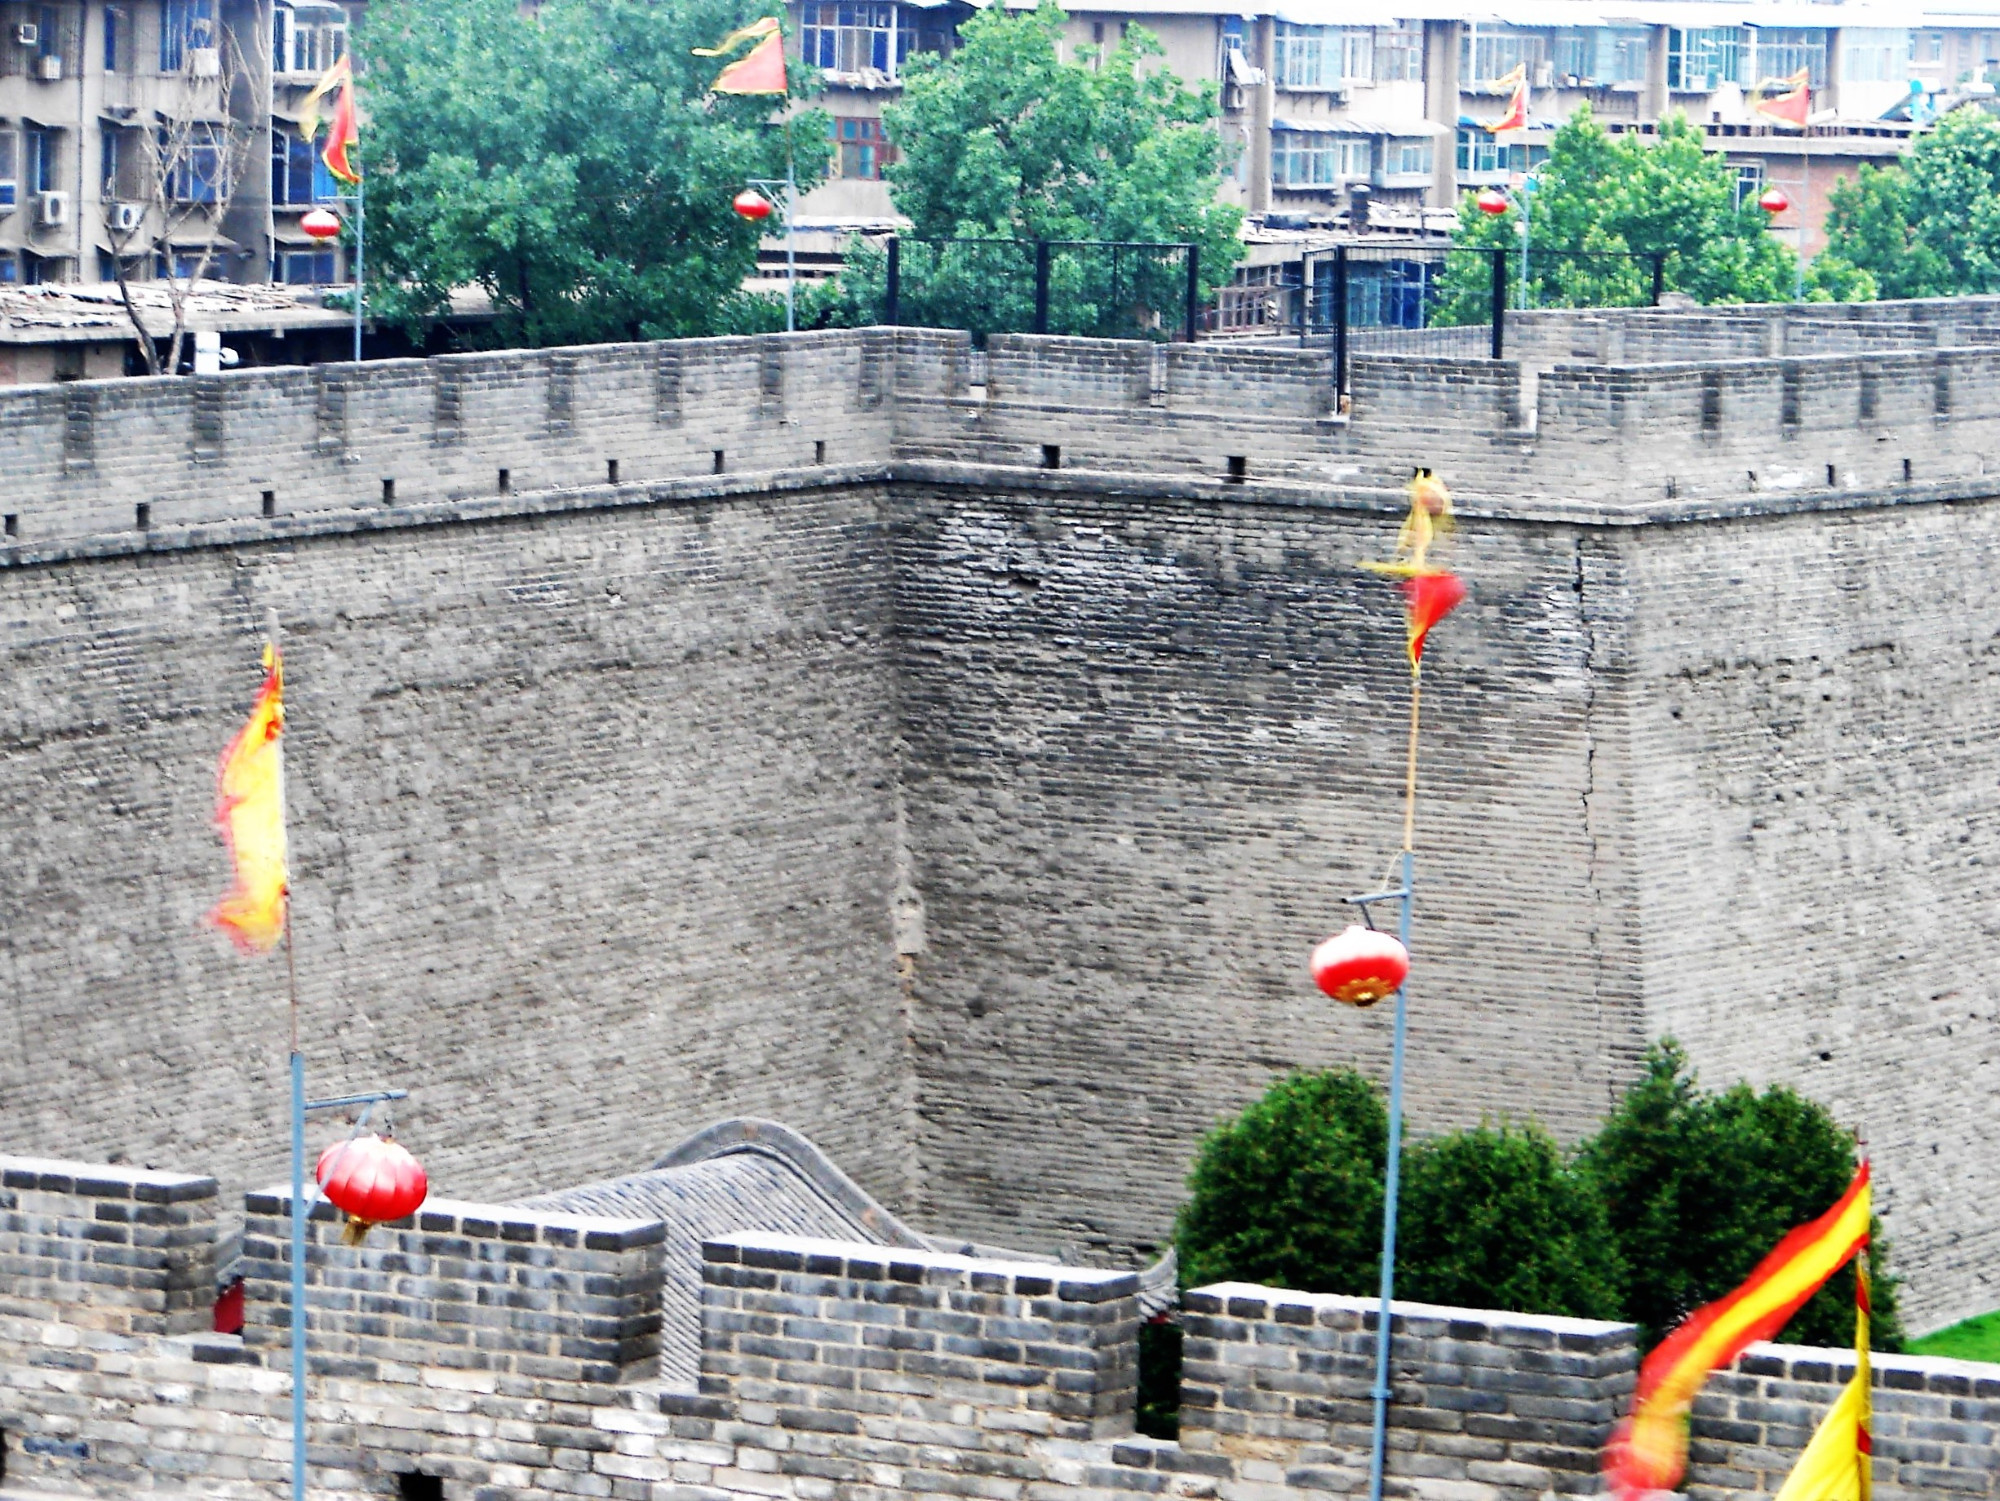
[184,24]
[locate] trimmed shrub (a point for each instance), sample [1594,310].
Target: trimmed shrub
[1699,1187]
[1290,1192]
[1495,1218]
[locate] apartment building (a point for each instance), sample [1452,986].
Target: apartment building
[1377,109]
[159,132]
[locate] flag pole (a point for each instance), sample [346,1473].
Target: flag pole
[297,1071]
[360,266]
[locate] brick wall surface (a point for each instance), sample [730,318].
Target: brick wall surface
[591,826]
[1507,1406]
[613,805]
[1936,1423]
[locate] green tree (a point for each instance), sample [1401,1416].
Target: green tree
[568,160]
[1930,226]
[1612,196]
[1290,1192]
[1699,1187]
[1005,139]
[1496,1218]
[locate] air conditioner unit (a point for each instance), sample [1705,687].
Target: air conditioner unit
[28,34]
[49,69]
[125,217]
[204,62]
[51,209]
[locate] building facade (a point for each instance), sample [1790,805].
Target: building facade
[163,135]
[1330,105]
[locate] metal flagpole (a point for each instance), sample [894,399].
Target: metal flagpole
[360,258]
[791,206]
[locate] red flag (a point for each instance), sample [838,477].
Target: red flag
[1793,106]
[1428,598]
[759,71]
[1516,117]
[250,815]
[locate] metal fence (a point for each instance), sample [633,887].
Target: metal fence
[1443,300]
[1106,289]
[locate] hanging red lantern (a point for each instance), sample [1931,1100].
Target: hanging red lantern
[1360,966]
[374,1179]
[1491,201]
[752,205]
[320,224]
[1773,201]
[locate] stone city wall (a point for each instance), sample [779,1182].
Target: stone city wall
[508,1354]
[969,792]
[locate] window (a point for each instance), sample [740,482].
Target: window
[182,267]
[1933,47]
[851,38]
[307,268]
[107,163]
[1703,59]
[1234,40]
[10,169]
[113,25]
[864,150]
[1323,57]
[10,268]
[199,174]
[1304,160]
[1407,158]
[184,25]
[42,150]
[298,172]
[1781,51]
[1870,56]
[1479,155]
[1488,53]
[307,38]
[1749,186]
[1399,54]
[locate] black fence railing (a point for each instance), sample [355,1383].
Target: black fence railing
[1444,300]
[1106,289]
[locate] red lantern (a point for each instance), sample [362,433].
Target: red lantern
[752,205]
[1774,201]
[1491,201]
[372,1178]
[320,224]
[1360,966]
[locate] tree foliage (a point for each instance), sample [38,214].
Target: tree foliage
[567,159]
[1929,226]
[1621,200]
[1006,139]
[1290,1192]
[1699,1187]
[1671,1205]
[1496,1218]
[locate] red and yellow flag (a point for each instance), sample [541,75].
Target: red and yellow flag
[1649,1451]
[759,71]
[1429,593]
[343,134]
[1516,117]
[250,813]
[1794,105]
[1839,1463]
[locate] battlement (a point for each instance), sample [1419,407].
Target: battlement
[510,1353]
[1626,414]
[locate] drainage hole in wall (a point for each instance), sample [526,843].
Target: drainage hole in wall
[611,471]
[413,1486]
[506,480]
[1052,456]
[388,492]
[142,515]
[819,451]
[13,525]
[1239,468]
[718,461]
[1830,475]
[1906,471]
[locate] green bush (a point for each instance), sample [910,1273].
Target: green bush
[1699,1187]
[1290,1192]
[1669,1206]
[1495,1218]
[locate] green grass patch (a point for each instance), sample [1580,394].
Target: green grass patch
[1975,1339]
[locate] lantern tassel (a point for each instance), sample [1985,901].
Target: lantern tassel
[355,1231]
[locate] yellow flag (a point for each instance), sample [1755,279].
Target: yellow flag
[1838,1464]
[250,814]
